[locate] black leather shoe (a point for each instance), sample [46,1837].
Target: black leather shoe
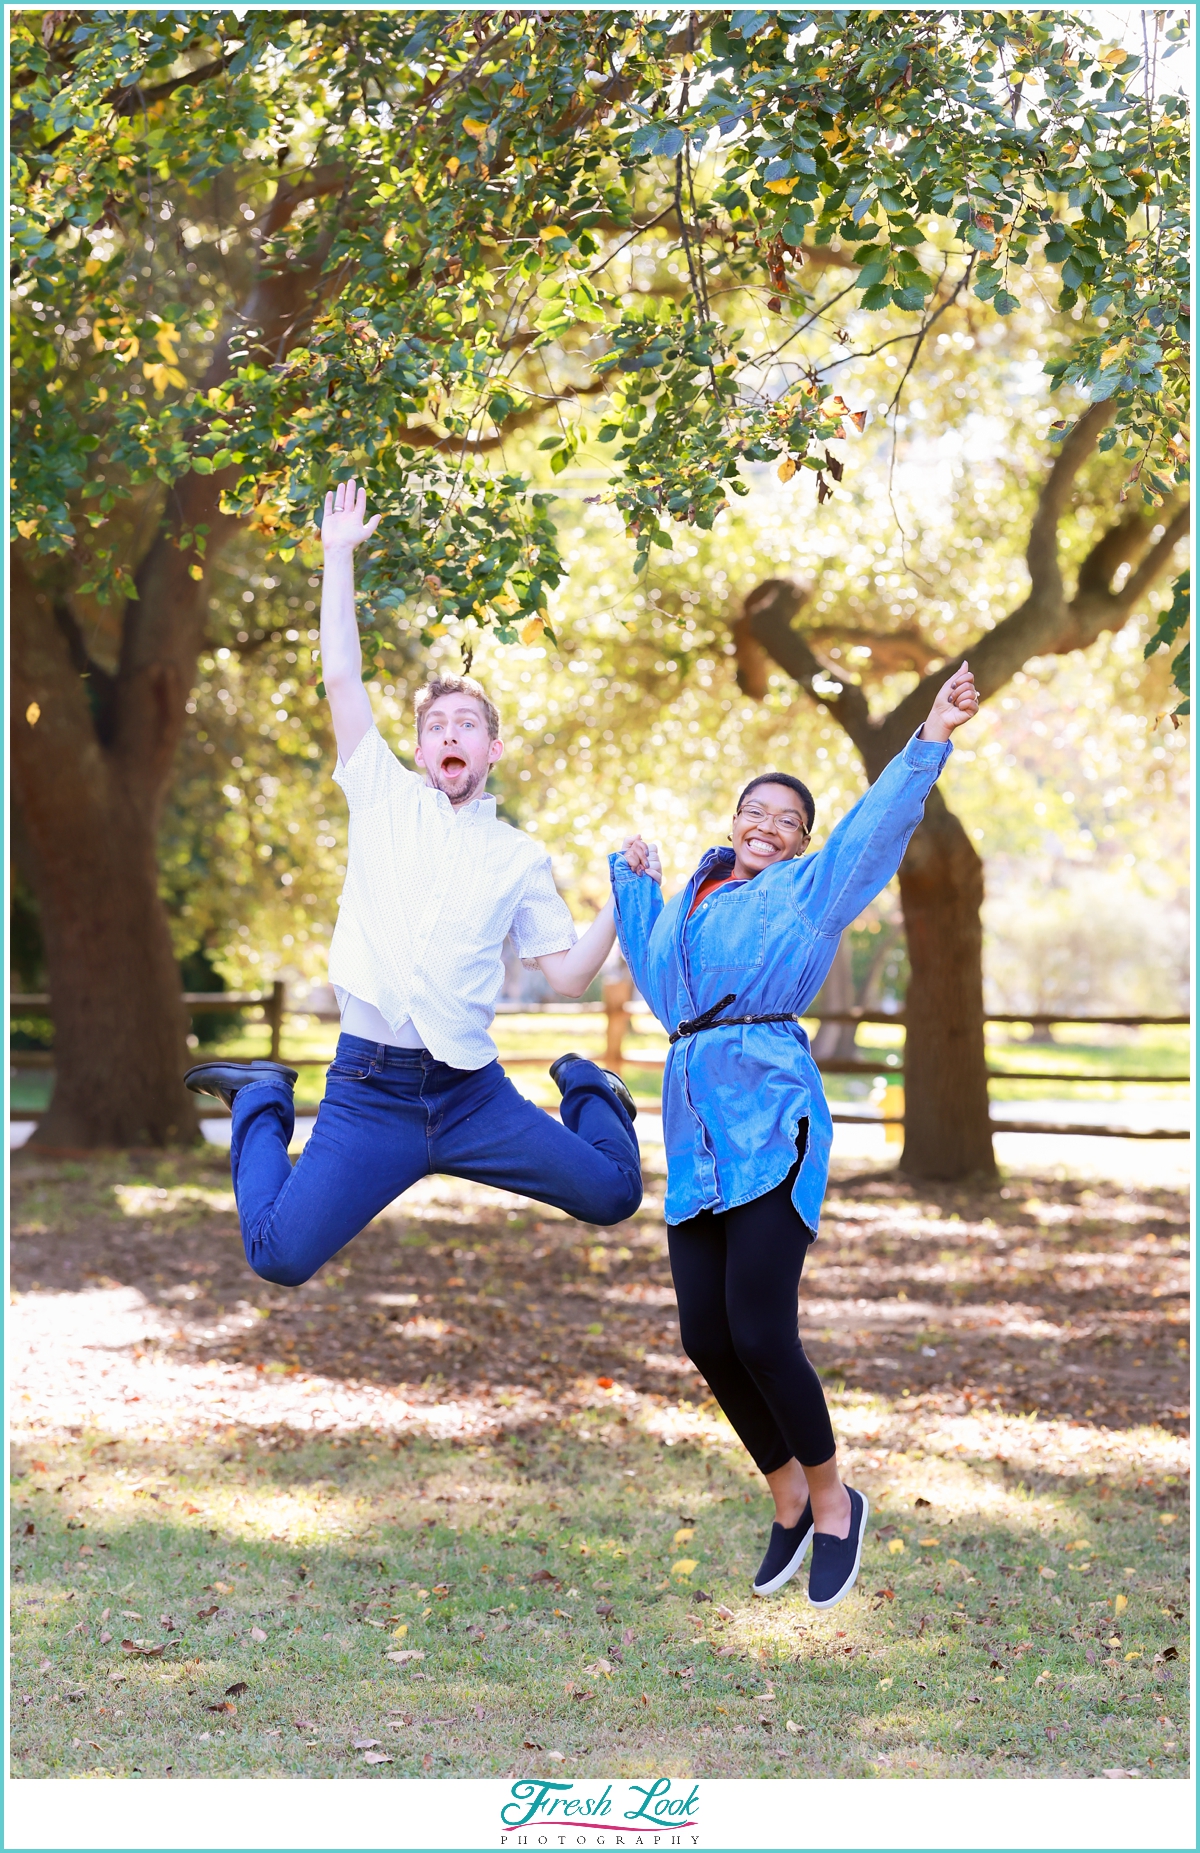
[222,1079]
[559,1066]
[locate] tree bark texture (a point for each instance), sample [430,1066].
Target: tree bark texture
[947,1121]
[89,818]
[947,1131]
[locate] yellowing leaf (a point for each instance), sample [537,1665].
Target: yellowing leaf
[786,470]
[453,165]
[1166,1518]
[781,186]
[27,529]
[531,630]
[33,714]
[195,572]
[474,127]
[1120,1605]
[684,1535]
[1135,1655]
[399,1633]
[684,1567]
[884,1684]
[553,231]
[895,1546]
[927,1544]
[166,341]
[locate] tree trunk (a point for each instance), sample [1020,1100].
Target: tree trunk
[835,1041]
[89,816]
[946,1131]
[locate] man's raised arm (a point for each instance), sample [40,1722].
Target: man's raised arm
[343,527]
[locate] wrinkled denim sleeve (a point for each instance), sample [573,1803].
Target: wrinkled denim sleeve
[866,848]
[637,904]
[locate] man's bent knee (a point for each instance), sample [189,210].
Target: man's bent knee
[280,1270]
[613,1205]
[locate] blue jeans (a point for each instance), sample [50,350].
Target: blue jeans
[391,1116]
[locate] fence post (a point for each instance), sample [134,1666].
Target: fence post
[616,992]
[274,1014]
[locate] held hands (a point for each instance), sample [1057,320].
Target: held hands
[345,523]
[956,701]
[643,858]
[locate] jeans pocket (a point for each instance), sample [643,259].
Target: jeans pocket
[347,1071]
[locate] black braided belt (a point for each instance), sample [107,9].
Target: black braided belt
[712,1019]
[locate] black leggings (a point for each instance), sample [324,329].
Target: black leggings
[737,1275]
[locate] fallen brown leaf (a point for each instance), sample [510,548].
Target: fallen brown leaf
[365,1743]
[257,1634]
[375,1756]
[236,1690]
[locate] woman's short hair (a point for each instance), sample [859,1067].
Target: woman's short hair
[784,778]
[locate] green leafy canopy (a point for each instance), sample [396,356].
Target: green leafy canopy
[278,247]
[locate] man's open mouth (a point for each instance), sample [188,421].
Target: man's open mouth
[453,766]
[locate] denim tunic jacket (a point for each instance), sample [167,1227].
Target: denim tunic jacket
[734,1098]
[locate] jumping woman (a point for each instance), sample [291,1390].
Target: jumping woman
[727,966]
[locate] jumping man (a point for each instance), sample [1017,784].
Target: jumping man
[434,884]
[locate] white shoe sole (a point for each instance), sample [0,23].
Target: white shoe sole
[789,1570]
[832,1601]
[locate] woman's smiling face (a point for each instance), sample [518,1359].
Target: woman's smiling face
[771,826]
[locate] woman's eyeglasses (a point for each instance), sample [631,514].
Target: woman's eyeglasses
[787,820]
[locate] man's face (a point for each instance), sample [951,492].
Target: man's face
[454,751]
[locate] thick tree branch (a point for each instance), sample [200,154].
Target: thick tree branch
[1044,624]
[768,613]
[1155,563]
[1041,554]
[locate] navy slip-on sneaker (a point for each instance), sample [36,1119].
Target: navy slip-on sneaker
[785,1554]
[834,1568]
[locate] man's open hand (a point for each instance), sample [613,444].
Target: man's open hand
[956,701]
[345,522]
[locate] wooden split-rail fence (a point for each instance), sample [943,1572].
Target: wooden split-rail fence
[618,996]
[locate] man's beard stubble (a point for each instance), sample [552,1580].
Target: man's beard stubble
[462,789]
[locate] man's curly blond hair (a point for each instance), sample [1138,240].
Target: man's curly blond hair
[457,685]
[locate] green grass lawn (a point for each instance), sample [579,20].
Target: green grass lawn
[581,1588]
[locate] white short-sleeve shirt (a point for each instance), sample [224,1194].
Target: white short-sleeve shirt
[431,894]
